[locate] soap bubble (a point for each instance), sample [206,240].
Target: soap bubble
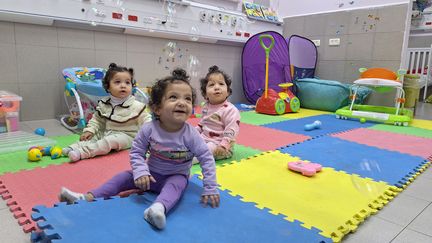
[366,186]
[194,33]
[170,49]
[193,66]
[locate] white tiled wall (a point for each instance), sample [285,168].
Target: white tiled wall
[368,38]
[32,57]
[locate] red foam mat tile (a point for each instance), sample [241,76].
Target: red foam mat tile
[41,186]
[407,144]
[264,138]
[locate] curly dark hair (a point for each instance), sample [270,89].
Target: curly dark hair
[212,70]
[158,89]
[112,70]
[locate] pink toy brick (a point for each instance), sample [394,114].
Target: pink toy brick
[307,169]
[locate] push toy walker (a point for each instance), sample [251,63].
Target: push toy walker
[274,103]
[380,80]
[84,86]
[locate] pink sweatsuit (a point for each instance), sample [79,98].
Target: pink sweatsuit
[219,126]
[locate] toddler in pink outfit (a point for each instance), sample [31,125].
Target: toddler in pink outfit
[220,123]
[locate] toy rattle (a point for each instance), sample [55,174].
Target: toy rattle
[307,169]
[312,126]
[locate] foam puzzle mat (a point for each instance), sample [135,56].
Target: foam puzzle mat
[264,138]
[240,152]
[330,124]
[416,146]
[255,184]
[41,186]
[414,131]
[188,222]
[16,161]
[392,167]
[328,201]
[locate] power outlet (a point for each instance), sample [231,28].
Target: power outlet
[334,42]
[317,42]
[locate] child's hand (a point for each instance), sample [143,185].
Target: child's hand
[220,152]
[86,136]
[143,182]
[212,199]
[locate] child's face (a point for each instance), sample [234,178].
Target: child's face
[216,89]
[120,85]
[176,106]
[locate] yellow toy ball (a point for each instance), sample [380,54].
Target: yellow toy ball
[34,155]
[56,152]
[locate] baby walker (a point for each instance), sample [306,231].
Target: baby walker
[380,80]
[274,103]
[84,86]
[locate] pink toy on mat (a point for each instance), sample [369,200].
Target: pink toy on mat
[307,169]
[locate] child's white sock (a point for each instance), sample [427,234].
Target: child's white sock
[155,215]
[69,196]
[74,155]
[65,151]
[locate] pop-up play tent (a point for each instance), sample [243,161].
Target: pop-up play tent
[283,65]
[303,57]
[254,61]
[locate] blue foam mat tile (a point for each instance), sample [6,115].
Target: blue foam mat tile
[329,124]
[354,158]
[121,220]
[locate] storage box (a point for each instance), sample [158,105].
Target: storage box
[17,141]
[9,111]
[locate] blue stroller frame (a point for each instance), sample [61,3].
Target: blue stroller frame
[84,85]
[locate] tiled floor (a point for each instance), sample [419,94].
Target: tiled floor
[408,218]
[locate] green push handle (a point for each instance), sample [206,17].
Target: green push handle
[266,49]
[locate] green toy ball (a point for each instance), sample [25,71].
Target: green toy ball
[362,120]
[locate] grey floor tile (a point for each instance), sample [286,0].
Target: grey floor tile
[24,127]
[3,204]
[52,127]
[403,209]
[10,231]
[374,230]
[423,222]
[410,236]
[427,173]
[423,111]
[420,188]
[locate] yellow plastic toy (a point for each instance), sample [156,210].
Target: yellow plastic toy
[34,154]
[56,152]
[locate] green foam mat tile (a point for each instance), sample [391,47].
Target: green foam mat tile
[16,161]
[240,152]
[414,131]
[253,118]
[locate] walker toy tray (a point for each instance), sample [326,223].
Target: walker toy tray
[376,113]
[15,141]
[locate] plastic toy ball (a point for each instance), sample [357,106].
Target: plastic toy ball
[56,152]
[362,120]
[40,131]
[34,155]
[46,150]
[312,126]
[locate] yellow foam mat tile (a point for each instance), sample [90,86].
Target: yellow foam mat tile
[332,201]
[304,113]
[425,124]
